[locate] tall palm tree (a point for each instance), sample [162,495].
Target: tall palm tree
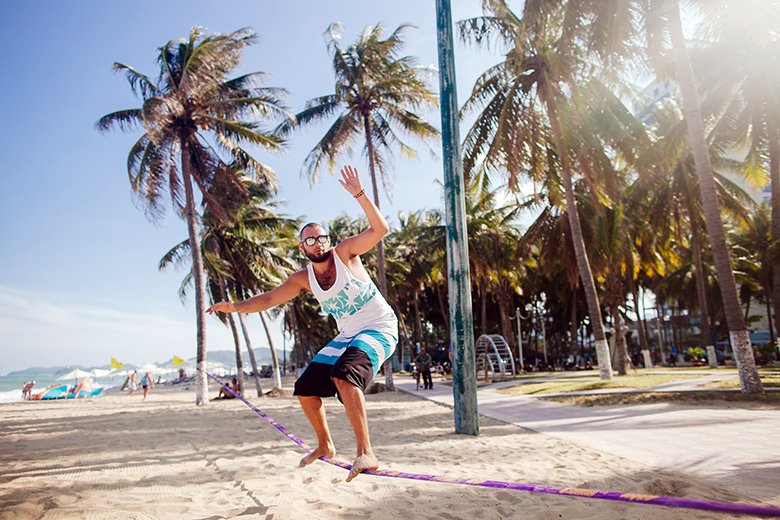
[739,72]
[377,93]
[740,340]
[191,105]
[246,255]
[526,119]
[618,42]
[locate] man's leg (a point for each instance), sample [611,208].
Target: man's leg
[355,406]
[315,412]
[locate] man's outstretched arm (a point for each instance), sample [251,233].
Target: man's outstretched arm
[291,288]
[377,225]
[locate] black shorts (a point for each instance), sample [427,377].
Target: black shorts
[353,366]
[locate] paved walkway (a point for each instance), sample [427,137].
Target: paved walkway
[735,448]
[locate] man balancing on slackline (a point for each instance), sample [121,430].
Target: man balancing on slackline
[368,328]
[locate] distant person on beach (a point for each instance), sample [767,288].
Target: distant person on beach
[133,383]
[368,328]
[147,383]
[27,388]
[423,362]
[223,394]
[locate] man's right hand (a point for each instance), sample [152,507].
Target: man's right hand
[222,307]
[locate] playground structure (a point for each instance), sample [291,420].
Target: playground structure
[494,358]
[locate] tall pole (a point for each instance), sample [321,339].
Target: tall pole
[464,382]
[518,316]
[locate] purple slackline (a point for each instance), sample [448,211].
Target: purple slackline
[686,503]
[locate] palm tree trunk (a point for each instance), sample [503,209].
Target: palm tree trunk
[573,326]
[640,321]
[274,357]
[586,275]
[239,361]
[236,341]
[251,351]
[503,319]
[743,351]
[769,317]
[483,309]
[387,366]
[774,179]
[201,383]
[403,333]
[622,359]
[701,292]
[417,320]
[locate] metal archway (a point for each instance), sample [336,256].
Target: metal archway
[494,357]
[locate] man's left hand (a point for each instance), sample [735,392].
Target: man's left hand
[350,180]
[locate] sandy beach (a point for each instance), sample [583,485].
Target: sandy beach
[120,457]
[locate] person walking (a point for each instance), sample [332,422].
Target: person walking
[146,383]
[368,327]
[424,362]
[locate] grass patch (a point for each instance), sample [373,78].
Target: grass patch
[771,380]
[582,384]
[767,401]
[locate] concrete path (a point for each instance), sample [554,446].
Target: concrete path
[736,448]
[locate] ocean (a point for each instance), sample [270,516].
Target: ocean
[11,385]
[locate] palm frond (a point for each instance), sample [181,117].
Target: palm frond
[140,84]
[126,120]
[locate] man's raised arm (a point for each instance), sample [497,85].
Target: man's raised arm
[291,288]
[377,225]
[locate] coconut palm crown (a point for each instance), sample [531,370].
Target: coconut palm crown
[377,93]
[192,116]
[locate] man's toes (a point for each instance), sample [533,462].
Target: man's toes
[354,472]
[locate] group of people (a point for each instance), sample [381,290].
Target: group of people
[27,388]
[147,383]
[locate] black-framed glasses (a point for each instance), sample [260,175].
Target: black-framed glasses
[322,239]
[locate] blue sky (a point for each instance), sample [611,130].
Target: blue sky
[78,265]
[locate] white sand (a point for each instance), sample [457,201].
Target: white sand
[120,457]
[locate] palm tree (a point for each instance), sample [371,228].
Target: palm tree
[247,255]
[191,105]
[377,93]
[613,35]
[526,116]
[409,265]
[739,71]
[740,340]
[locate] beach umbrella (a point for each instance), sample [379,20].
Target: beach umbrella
[216,368]
[75,374]
[151,368]
[100,372]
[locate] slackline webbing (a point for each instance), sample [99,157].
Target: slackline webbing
[685,503]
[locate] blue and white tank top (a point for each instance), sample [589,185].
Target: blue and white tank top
[356,305]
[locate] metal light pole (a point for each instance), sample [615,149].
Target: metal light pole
[464,383]
[519,316]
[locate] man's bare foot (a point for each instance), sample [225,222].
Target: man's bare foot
[361,464]
[322,451]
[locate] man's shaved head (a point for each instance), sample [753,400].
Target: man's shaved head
[309,225]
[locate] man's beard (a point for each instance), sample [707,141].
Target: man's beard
[318,259]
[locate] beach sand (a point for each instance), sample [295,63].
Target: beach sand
[120,457]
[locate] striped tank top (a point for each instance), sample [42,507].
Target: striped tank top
[356,305]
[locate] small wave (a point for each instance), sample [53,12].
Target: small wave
[10,396]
